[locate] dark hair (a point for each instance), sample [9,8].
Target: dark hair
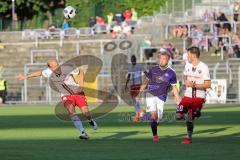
[133,58]
[194,50]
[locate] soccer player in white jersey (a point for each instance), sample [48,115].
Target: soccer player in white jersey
[135,72]
[197,80]
[70,87]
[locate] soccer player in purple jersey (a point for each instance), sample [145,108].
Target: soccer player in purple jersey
[158,82]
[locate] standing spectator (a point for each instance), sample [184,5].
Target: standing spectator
[119,18]
[110,18]
[99,20]
[92,22]
[3,91]
[127,15]
[65,24]
[134,14]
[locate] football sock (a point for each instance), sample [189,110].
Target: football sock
[137,106]
[91,122]
[154,127]
[189,129]
[77,122]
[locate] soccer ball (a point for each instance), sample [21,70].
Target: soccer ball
[69,12]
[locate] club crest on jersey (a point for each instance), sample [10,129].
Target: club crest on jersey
[159,79]
[166,74]
[199,71]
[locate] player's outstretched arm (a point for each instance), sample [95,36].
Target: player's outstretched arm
[176,94]
[31,75]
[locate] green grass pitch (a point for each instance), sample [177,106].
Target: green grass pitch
[34,133]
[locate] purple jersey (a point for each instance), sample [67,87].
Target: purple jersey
[160,81]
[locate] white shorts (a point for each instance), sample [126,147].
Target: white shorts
[155,104]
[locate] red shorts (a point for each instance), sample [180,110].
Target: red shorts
[78,100]
[134,90]
[187,103]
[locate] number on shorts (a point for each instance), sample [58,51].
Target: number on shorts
[180,108]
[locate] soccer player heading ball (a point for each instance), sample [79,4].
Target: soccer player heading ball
[72,95]
[158,82]
[197,80]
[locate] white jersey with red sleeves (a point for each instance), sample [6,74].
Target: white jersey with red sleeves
[196,74]
[63,82]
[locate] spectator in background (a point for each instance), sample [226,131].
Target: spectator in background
[185,57]
[119,18]
[110,18]
[99,20]
[226,25]
[92,22]
[236,51]
[3,91]
[127,14]
[146,44]
[236,10]
[52,27]
[134,14]
[126,29]
[65,24]
[206,16]
[196,36]
[215,14]
[117,29]
[236,39]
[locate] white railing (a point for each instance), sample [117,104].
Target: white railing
[42,52]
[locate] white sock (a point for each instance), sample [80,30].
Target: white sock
[77,122]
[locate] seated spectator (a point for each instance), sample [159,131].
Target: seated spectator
[176,55]
[177,31]
[196,36]
[185,57]
[119,18]
[117,29]
[65,24]
[99,20]
[226,25]
[52,27]
[126,29]
[1,45]
[92,22]
[236,10]
[146,44]
[236,39]
[206,16]
[215,14]
[236,51]
[127,15]
[134,14]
